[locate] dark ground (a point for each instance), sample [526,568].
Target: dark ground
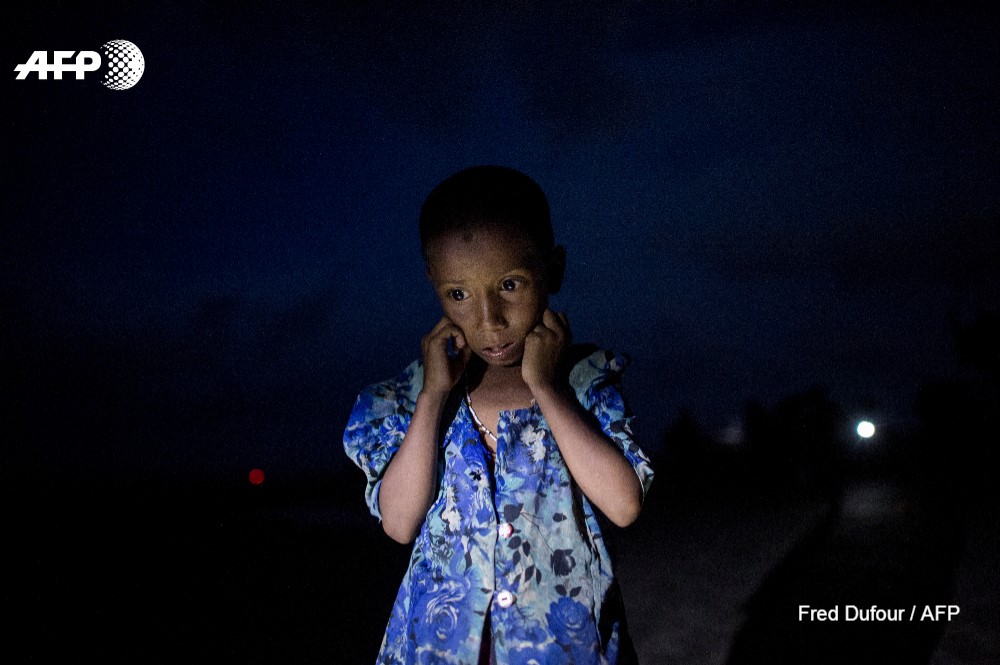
[265,575]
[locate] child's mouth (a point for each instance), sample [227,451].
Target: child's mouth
[499,352]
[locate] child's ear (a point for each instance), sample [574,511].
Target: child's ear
[555,268]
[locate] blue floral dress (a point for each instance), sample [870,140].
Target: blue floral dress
[524,552]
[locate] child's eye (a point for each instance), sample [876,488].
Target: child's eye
[508,284]
[456,295]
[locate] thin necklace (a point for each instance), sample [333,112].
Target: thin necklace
[479,423]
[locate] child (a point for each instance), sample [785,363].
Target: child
[495,449]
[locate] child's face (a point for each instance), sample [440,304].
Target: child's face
[492,285]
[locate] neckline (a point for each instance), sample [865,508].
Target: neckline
[481,426]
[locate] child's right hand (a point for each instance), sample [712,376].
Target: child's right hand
[441,370]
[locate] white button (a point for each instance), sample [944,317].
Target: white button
[505,599]
[506,529]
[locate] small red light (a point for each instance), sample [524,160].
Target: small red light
[256,476]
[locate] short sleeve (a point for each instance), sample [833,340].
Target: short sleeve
[377,425]
[597,382]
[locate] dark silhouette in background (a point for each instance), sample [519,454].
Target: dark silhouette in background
[895,530]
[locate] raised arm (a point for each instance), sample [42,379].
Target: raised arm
[410,481]
[598,467]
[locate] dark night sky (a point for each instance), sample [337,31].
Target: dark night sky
[200,273]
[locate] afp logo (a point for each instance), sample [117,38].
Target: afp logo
[121,65]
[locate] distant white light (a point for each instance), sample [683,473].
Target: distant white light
[732,434]
[866,429]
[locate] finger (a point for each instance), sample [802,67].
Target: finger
[555,323]
[550,320]
[433,332]
[455,343]
[444,330]
[442,334]
[460,358]
[556,319]
[445,321]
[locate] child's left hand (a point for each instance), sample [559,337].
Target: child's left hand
[543,349]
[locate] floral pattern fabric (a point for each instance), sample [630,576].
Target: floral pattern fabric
[524,552]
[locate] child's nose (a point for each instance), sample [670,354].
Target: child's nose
[493,317]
